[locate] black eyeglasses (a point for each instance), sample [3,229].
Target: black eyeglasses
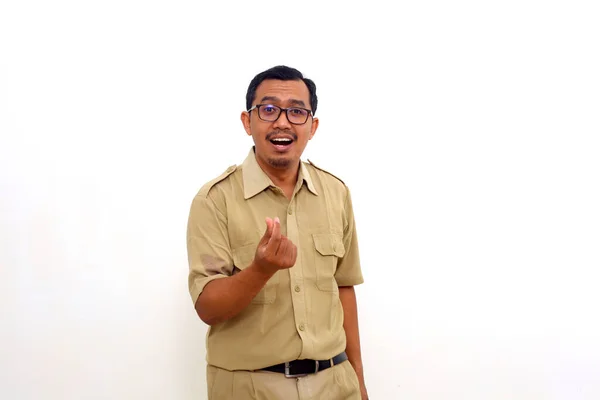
[270,113]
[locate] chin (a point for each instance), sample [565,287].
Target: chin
[280,162]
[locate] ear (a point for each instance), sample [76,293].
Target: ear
[245,117]
[313,128]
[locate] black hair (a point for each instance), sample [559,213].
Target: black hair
[283,73]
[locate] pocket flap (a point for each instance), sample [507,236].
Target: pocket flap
[329,244]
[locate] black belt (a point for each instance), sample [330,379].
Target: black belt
[304,367]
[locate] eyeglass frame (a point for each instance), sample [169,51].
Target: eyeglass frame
[281,109]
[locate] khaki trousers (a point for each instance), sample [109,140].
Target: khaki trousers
[336,383]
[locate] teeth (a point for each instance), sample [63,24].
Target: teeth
[281,140]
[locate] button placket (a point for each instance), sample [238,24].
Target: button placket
[296,278]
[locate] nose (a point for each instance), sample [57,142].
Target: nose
[282,122]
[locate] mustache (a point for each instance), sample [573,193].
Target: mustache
[290,133]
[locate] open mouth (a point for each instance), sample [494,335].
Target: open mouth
[281,143]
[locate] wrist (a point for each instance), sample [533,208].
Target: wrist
[262,272]
[358,369]
[356,364]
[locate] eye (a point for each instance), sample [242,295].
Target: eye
[269,109]
[298,112]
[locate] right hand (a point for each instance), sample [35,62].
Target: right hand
[275,251]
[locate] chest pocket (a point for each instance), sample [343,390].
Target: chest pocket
[242,258]
[329,248]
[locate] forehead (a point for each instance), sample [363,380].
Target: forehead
[283,90]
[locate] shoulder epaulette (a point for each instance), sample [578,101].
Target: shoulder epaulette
[204,190]
[321,169]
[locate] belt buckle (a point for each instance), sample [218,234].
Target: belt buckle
[287,370]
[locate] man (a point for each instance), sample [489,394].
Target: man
[273,258]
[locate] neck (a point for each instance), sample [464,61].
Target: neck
[282,177]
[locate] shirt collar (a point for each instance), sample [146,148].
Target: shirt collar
[255,180]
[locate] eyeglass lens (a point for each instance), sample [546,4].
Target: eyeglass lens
[271,113]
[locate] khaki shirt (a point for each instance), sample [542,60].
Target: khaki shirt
[297,314]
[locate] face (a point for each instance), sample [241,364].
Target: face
[280,143]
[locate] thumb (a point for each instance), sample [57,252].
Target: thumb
[269,230]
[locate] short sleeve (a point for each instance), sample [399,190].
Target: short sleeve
[209,254]
[349,271]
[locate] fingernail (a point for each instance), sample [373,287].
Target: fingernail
[277,219]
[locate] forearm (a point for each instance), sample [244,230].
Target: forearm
[224,298]
[348,300]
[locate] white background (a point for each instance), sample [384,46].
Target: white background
[467,131]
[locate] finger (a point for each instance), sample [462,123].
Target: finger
[275,239]
[286,252]
[294,255]
[283,245]
[264,240]
[269,230]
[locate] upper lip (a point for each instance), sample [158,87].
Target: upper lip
[281,136]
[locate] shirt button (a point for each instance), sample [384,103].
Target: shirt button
[297,288]
[290,211]
[301,327]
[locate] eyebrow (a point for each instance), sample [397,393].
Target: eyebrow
[276,99]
